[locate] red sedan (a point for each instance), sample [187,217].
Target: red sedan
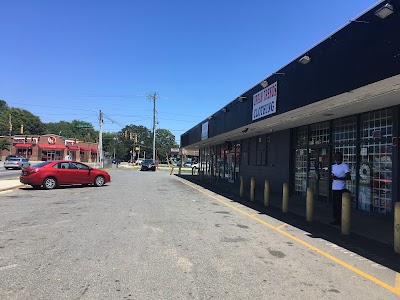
[51,174]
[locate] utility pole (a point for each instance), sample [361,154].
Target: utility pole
[11,140]
[153,97]
[101,139]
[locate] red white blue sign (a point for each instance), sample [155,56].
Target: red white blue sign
[264,102]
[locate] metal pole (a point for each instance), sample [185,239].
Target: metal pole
[101,139]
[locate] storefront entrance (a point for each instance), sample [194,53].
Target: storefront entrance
[318,172]
[51,155]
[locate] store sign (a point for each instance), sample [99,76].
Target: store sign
[22,140]
[204,131]
[51,140]
[70,142]
[264,102]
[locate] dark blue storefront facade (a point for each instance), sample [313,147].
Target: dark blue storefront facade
[341,95]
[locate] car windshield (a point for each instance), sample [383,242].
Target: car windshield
[39,165]
[147,161]
[13,159]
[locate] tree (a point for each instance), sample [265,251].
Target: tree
[32,124]
[4,145]
[113,143]
[76,129]
[165,140]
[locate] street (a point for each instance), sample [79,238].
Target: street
[149,235]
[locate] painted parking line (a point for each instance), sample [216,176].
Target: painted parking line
[393,289]
[281,226]
[397,282]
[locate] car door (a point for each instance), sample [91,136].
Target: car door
[81,174]
[63,173]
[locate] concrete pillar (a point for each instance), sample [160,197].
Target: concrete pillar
[266,193]
[252,188]
[310,205]
[241,186]
[346,208]
[285,197]
[397,227]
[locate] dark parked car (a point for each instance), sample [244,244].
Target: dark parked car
[148,164]
[116,161]
[51,174]
[16,162]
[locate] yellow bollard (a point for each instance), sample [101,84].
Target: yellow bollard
[346,208]
[285,197]
[266,193]
[310,205]
[397,227]
[252,188]
[241,186]
[172,170]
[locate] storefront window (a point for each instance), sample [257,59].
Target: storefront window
[301,161]
[344,138]
[375,191]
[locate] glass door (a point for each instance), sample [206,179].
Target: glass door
[51,155]
[318,172]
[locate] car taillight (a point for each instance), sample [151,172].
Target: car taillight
[27,171]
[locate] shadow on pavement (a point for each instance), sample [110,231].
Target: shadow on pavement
[373,250]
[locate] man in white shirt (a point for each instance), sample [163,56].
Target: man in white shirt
[340,173]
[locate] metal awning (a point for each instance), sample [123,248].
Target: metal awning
[23,145]
[52,147]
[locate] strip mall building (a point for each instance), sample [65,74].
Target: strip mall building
[50,147]
[341,95]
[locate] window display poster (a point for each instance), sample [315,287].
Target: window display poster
[364,151]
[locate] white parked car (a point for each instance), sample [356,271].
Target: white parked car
[16,163]
[196,166]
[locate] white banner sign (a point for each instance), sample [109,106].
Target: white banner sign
[264,102]
[204,131]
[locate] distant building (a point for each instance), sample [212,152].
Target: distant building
[50,147]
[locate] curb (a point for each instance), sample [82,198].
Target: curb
[12,187]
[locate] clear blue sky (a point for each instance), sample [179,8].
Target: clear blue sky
[65,60]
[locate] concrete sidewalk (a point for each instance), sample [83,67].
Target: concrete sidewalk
[371,226]
[9,184]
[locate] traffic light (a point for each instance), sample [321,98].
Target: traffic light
[135,138]
[10,127]
[22,128]
[130,135]
[126,134]
[137,148]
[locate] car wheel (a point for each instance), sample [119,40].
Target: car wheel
[49,183]
[6,168]
[153,168]
[99,181]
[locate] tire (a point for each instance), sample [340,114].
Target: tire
[6,168]
[99,181]
[153,169]
[49,183]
